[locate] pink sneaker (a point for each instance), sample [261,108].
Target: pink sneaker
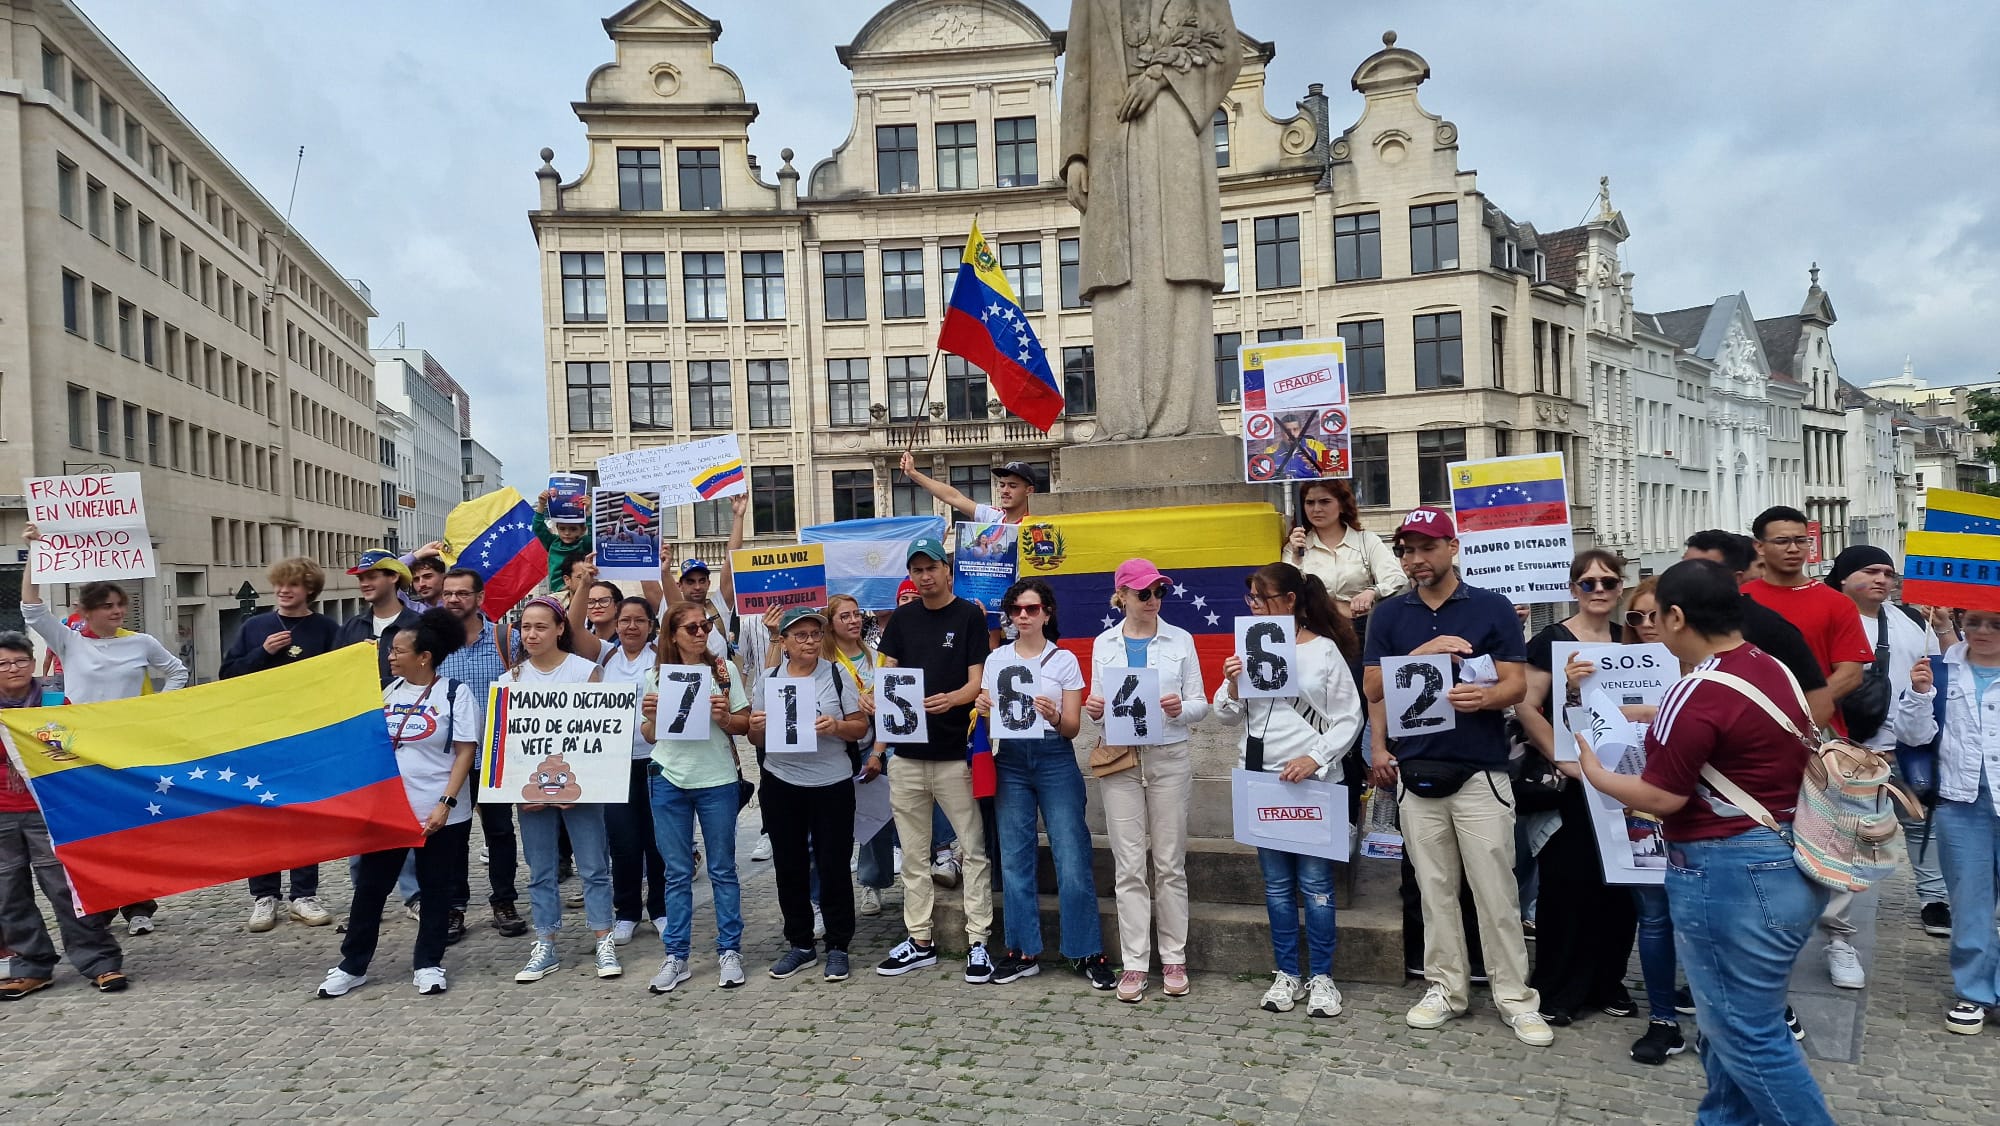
[1174,981]
[1132,987]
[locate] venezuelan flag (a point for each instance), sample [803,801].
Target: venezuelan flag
[1948,510]
[642,509]
[1528,491]
[1206,550]
[979,756]
[712,481]
[1955,569]
[495,536]
[986,325]
[163,794]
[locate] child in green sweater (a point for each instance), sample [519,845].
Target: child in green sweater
[569,539]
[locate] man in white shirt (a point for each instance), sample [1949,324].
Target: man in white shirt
[1013,484]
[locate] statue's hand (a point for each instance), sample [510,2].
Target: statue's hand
[1077,176]
[1140,97]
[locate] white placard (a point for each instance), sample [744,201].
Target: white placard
[871,808]
[1132,715]
[1308,818]
[791,704]
[1014,713]
[1413,695]
[1269,649]
[899,707]
[1630,844]
[1626,674]
[561,744]
[93,526]
[1513,521]
[625,536]
[682,474]
[684,712]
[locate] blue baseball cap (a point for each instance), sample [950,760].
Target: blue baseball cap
[690,566]
[925,545]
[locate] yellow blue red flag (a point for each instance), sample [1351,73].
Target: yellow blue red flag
[985,324]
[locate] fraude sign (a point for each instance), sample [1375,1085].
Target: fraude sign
[93,526]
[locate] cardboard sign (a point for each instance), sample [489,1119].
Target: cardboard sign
[1268,647]
[1308,818]
[899,707]
[1626,674]
[1014,714]
[1132,715]
[1295,410]
[569,496]
[791,704]
[92,526]
[684,712]
[625,534]
[785,577]
[985,563]
[1413,695]
[558,744]
[1513,525]
[705,469]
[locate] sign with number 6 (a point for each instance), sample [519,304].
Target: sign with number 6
[1413,691]
[683,709]
[1268,648]
[899,707]
[1014,714]
[1132,715]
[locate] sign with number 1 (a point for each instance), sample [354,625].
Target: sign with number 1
[1413,691]
[1268,648]
[1132,715]
[899,707]
[790,706]
[684,709]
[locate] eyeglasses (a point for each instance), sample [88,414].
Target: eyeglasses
[1976,625]
[1028,608]
[599,601]
[1592,586]
[1157,590]
[1637,618]
[1255,599]
[802,635]
[1788,541]
[17,663]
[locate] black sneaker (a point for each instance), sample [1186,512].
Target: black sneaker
[1558,1018]
[978,964]
[1684,1001]
[507,922]
[1937,919]
[1792,1025]
[905,957]
[454,931]
[1662,1039]
[1013,966]
[1620,1007]
[1097,972]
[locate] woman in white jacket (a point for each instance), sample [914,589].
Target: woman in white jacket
[1145,802]
[1966,822]
[1298,737]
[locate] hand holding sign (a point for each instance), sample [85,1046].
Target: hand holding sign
[683,713]
[1413,695]
[1268,647]
[790,705]
[899,707]
[1015,714]
[1132,713]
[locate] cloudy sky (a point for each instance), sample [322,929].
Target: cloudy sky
[1743,142]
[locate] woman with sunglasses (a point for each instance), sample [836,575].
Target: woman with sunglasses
[1584,928]
[1145,804]
[637,872]
[1038,776]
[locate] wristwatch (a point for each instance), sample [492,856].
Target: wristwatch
[449,801]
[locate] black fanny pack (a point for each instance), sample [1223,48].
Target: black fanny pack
[1427,778]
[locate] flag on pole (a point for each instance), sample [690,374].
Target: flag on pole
[642,509]
[870,558]
[1956,569]
[1948,510]
[986,325]
[495,536]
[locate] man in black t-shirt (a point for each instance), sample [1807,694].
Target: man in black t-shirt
[945,636]
[1763,627]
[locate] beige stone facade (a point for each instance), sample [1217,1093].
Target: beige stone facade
[160,317]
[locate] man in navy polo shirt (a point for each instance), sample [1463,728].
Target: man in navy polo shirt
[1465,828]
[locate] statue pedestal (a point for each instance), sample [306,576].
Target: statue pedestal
[1153,473]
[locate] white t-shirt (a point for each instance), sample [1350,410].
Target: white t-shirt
[423,725]
[382,623]
[573,670]
[987,514]
[1908,644]
[620,669]
[1056,671]
[828,764]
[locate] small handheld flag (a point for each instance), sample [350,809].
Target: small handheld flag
[986,325]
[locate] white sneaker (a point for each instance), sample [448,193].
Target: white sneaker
[308,910]
[1433,1011]
[870,902]
[819,923]
[139,924]
[1283,994]
[430,980]
[673,971]
[660,925]
[621,931]
[339,981]
[607,958]
[1843,965]
[264,916]
[763,849]
[1530,1029]
[946,869]
[1325,1000]
[729,965]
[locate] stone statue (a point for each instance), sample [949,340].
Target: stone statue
[1142,83]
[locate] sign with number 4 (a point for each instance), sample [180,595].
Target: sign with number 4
[1014,714]
[1269,650]
[1132,715]
[791,704]
[684,708]
[1413,691]
[899,707]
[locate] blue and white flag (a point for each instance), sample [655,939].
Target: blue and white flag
[869,559]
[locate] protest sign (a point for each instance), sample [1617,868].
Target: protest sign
[1268,647]
[683,714]
[985,563]
[1626,674]
[569,496]
[558,743]
[1630,844]
[1295,416]
[1015,689]
[1513,525]
[704,469]
[1308,818]
[92,526]
[791,704]
[625,534]
[1132,715]
[871,808]
[1413,695]
[785,577]
[899,707]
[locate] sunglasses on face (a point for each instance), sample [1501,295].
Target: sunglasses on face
[697,628]
[1151,592]
[1593,586]
[1028,608]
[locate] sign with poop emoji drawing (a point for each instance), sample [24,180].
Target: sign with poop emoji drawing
[558,744]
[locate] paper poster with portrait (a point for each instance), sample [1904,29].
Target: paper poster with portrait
[1295,410]
[625,534]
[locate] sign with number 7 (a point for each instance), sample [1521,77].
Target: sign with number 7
[683,712]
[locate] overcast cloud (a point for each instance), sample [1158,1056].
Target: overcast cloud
[1743,142]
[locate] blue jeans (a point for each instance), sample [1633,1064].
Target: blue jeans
[674,813]
[1968,840]
[875,861]
[540,829]
[1041,776]
[1742,911]
[1289,879]
[1656,951]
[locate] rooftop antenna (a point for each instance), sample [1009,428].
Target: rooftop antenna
[402,340]
[271,285]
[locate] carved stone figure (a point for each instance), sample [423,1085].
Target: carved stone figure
[1143,81]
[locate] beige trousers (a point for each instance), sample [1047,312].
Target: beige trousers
[913,785]
[1470,834]
[1145,815]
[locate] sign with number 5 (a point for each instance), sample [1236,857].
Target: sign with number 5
[899,707]
[1413,691]
[1132,715]
[683,709]
[1268,648]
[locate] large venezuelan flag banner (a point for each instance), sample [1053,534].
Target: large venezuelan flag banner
[1206,550]
[182,790]
[1956,569]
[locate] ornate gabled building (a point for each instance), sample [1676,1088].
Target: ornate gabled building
[1801,354]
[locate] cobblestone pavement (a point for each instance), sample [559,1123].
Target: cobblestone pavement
[221,1025]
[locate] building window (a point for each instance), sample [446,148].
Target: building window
[895,158]
[902,283]
[770,389]
[1276,335]
[964,391]
[771,510]
[950,257]
[649,394]
[175,435]
[1232,260]
[1440,359]
[79,417]
[1367,363]
[846,278]
[107,116]
[1277,252]
[853,494]
[1079,380]
[93,207]
[1357,246]
[145,244]
[131,413]
[1219,127]
[100,316]
[705,286]
[1503,441]
[80,94]
[1022,263]
[1014,152]
[909,384]
[701,179]
[847,392]
[907,498]
[582,287]
[52,69]
[135,140]
[149,340]
[708,395]
[1371,469]
[712,518]
[1437,449]
[1541,355]
[975,481]
[763,285]
[957,156]
[1555,359]
[72,302]
[66,189]
[106,412]
[1433,238]
[1070,272]
[645,286]
[1499,350]
[1228,378]
[589,395]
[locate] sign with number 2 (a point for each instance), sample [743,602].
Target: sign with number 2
[1413,691]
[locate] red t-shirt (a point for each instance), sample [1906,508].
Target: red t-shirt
[1827,620]
[1706,724]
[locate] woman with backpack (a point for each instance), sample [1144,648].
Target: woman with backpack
[1966,821]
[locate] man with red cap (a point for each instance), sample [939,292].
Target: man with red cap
[1456,806]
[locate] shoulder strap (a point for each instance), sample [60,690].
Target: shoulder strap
[1756,696]
[1739,799]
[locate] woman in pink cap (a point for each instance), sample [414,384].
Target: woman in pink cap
[1146,788]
